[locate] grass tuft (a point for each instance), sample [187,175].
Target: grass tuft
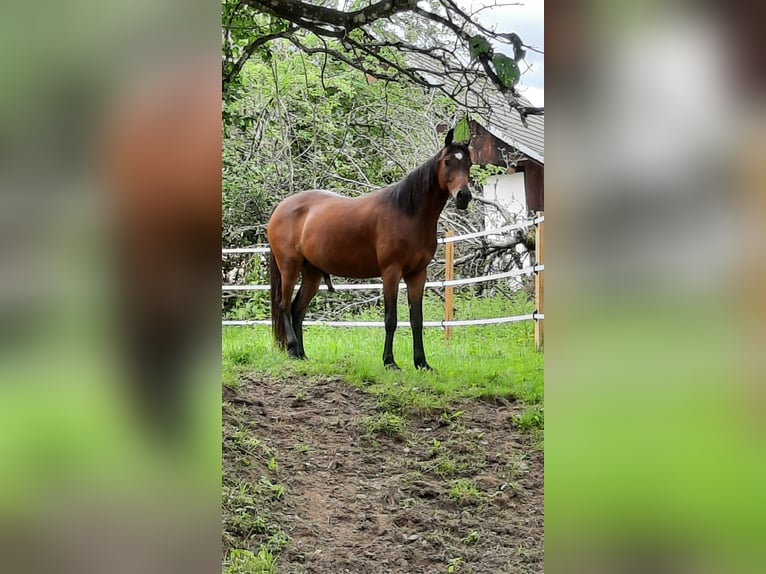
[246,562]
[386,423]
[464,492]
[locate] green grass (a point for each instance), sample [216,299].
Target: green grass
[246,562]
[490,362]
[531,419]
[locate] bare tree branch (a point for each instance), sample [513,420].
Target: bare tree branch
[329,21]
[367,38]
[502,210]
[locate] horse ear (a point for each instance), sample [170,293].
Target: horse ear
[448,139]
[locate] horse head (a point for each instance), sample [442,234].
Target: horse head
[454,170]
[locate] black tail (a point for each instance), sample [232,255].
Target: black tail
[277,322]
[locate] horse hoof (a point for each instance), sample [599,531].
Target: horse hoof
[425,367]
[392,367]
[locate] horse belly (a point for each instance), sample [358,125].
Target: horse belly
[344,247]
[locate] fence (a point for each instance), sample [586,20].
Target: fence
[447,284]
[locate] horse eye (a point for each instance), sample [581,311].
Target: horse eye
[447,162]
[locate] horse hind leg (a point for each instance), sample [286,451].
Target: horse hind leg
[289,271]
[309,287]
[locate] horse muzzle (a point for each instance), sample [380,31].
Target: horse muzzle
[462,198]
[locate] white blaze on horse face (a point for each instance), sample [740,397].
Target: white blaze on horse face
[459,155]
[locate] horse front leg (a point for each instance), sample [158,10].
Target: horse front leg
[415,286]
[390,293]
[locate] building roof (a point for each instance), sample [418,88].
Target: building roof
[489,107]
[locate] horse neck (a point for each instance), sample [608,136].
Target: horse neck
[430,209]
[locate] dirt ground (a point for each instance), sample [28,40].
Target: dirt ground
[333,484]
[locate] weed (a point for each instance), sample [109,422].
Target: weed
[517,466]
[386,423]
[445,467]
[472,538]
[450,417]
[302,448]
[454,564]
[434,450]
[272,464]
[531,419]
[278,541]
[464,492]
[276,490]
[240,503]
[245,562]
[245,440]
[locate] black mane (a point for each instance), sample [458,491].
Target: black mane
[409,192]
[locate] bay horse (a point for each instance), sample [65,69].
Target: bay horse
[390,233]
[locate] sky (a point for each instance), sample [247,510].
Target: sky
[526,20]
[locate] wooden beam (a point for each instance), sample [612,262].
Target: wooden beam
[540,285]
[449,274]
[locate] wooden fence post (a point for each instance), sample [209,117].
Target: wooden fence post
[540,285]
[449,273]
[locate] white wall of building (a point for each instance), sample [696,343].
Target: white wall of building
[508,190]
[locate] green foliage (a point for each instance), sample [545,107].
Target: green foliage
[242,28]
[301,122]
[506,69]
[481,173]
[462,132]
[479,46]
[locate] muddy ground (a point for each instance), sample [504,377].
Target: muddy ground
[333,484]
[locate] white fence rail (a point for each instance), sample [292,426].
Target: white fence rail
[405,324]
[430,284]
